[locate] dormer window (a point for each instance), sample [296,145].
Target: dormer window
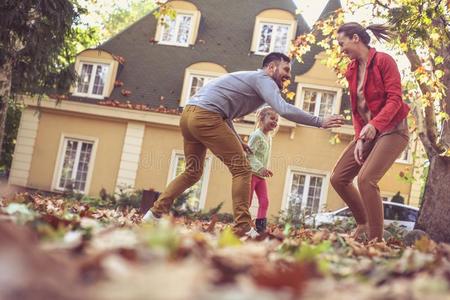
[182,29]
[273,38]
[92,79]
[177,31]
[97,71]
[273,32]
[197,82]
[197,76]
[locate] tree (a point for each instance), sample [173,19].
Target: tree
[38,42]
[423,35]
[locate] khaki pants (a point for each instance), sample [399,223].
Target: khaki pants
[366,204]
[201,130]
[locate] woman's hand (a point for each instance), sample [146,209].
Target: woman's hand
[359,152]
[368,132]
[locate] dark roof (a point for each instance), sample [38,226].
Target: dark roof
[332,6]
[154,73]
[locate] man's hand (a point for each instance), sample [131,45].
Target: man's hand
[247,148]
[359,152]
[265,172]
[368,132]
[333,121]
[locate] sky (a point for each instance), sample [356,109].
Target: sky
[311,9]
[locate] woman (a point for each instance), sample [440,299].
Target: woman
[379,118]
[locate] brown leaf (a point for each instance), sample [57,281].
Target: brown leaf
[284,275]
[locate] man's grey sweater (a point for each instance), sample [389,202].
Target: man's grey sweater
[237,94]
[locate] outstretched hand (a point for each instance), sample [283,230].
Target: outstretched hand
[247,148]
[333,121]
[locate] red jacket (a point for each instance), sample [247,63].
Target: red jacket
[382,90]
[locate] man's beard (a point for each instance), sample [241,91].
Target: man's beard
[277,78]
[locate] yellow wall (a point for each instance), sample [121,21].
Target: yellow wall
[156,153]
[277,14]
[207,67]
[309,149]
[110,137]
[319,74]
[184,5]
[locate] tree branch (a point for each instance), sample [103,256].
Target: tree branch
[430,117]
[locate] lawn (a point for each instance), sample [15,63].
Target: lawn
[65,248]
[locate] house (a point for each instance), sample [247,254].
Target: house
[118,128]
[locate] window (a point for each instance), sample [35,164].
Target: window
[318,102]
[399,213]
[75,166]
[197,82]
[177,31]
[273,38]
[92,80]
[197,196]
[197,76]
[305,190]
[406,156]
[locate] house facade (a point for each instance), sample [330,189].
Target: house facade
[118,128]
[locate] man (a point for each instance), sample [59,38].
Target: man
[206,123]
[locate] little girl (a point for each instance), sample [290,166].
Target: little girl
[260,142]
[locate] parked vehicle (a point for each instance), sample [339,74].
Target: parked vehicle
[403,215]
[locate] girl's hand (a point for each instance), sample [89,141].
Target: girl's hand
[247,148]
[359,151]
[368,132]
[265,172]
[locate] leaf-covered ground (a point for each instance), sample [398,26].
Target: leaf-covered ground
[54,248]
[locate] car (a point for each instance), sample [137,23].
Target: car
[403,215]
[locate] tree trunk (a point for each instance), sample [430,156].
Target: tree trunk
[435,209]
[5,89]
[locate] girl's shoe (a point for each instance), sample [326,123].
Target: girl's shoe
[261,225]
[149,217]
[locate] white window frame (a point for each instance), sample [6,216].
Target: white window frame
[260,24]
[179,13]
[299,101]
[189,74]
[95,63]
[191,77]
[205,176]
[60,160]
[408,160]
[308,172]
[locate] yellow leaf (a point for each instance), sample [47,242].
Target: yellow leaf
[404,47]
[435,36]
[438,60]
[424,244]
[439,73]
[290,95]
[228,239]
